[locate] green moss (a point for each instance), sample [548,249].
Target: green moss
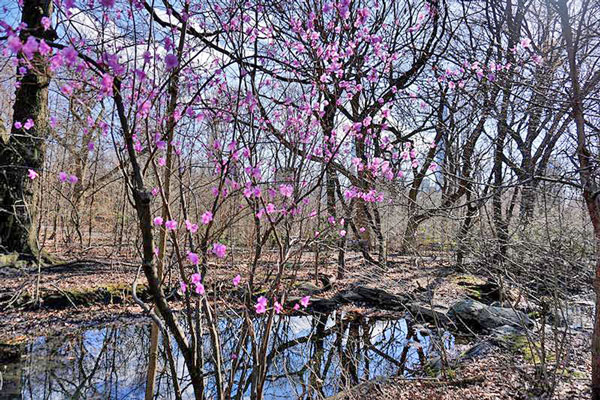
[468,280]
[531,350]
[430,371]
[471,285]
[8,259]
[450,373]
[121,292]
[573,374]
[260,291]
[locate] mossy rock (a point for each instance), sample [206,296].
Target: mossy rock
[8,259]
[110,294]
[486,291]
[529,349]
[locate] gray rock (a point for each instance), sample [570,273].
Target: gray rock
[477,350]
[479,315]
[430,313]
[507,330]
[373,297]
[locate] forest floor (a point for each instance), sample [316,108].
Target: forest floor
[95,292]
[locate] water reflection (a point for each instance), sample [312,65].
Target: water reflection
[309,357]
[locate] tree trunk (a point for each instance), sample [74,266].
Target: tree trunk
[25,149]
[463,233]
[588,174]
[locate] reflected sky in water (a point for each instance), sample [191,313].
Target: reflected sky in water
[309,357]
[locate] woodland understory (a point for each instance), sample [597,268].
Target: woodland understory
[309,199]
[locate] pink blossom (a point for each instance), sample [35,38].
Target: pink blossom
[343,233]
[171,61]
[30,47]
[206,217]
[219,250]
[261,305]
[106,85]
[69,54]
[144,109]
[91,146]
[183,286]
[46,23]
[18,125]
[107,3]
[270,208]
[296,307]
[362,230]
[32,174]
[193,228]
[199,288]
[278,307]
[14,43]
[286,190]
[414,28]
[73,179]
[525,42]
[171,225]
[158,221]
[193,258]
[155,191]
[162,161]
[304,301]
[28,124]
[63,176]
[236,281]
[67,90]
[196,278]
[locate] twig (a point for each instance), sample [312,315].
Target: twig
[65,294]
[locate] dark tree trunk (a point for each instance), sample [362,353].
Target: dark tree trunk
[588,173]
[25,149]
[463,233]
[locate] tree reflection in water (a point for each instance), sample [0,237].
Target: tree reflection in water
[309,357]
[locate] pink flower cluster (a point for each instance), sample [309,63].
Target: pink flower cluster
[219,250]
[372,196]
[197,282]
[64,177]
[27,125]
[262,302]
